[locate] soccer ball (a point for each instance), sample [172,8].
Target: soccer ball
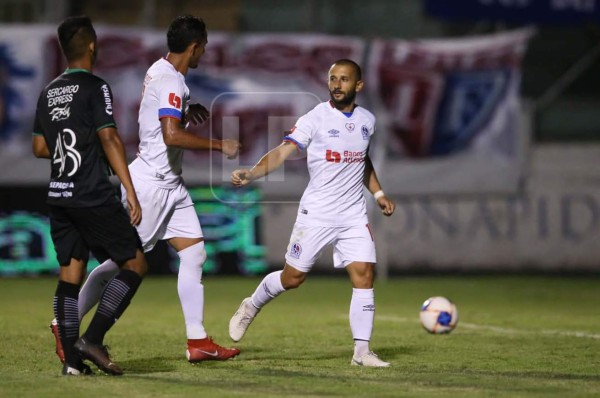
[438,315]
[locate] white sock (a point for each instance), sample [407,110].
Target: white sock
[269,288]
[362,315]
[361,347]
[191,290]
[92,289]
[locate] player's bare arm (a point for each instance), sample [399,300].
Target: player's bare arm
[40,147]
[176,136]
[371,181]
[269,162]
[115,153]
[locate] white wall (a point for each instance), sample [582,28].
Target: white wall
[553,224]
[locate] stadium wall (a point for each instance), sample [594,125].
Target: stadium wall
[553,224]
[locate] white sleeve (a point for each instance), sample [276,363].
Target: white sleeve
[170,97]
[302,132]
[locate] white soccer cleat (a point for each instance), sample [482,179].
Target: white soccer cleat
[242,318]
[369,359]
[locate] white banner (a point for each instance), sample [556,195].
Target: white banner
[452,112]
[448,110]
[256,86]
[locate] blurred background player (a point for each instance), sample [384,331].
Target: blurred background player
[332,211]
[74,127]
[168,209]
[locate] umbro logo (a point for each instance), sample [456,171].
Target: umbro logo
[333,133]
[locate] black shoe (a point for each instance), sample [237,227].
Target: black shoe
[98,354]
[80,370]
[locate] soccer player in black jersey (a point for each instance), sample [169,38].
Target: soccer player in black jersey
[75,128]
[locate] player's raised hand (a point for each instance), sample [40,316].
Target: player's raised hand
[241,177]
[386,205]
[230,148]
[197,113]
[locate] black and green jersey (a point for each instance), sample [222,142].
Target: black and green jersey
[70,112]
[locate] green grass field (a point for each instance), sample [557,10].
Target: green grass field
[518,336]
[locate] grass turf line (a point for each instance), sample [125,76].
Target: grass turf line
[522,337]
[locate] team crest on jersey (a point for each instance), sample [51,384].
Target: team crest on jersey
[333,133]
[365,132]
[60,113]
[350,127]
[295,250]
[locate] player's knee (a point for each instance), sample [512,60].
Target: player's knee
[193,255]
[362,275]
[292,280]
[137,264]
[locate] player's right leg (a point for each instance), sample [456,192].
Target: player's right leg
[94,285]
[306,244]
[270,287]
[114,301]
[109,234]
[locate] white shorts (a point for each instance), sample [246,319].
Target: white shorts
[166,213]
[350,244]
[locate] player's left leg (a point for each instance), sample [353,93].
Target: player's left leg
[107,231]
[362,313]
[184,234]
[65,310]
[72,255]
[355,250]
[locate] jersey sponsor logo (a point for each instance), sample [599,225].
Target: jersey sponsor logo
[107,100]
[365,132]
[333,133]
[174,100]
[60,113]
[333,156]
[350,127]
[296,250]
[344,157]
[61,95]
[65,151]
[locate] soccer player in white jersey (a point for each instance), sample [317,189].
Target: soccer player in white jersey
[332,211]
[167,207]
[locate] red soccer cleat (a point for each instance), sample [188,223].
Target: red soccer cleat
[59,349]
[207,350]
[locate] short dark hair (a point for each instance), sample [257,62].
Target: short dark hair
[349,62]
[74,34]
[183,31]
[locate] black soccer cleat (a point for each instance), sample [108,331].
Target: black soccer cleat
[98,354]
[80,370]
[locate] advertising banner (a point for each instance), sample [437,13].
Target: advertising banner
[452,113]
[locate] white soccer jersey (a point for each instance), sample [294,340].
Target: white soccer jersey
[336,147]
[165,95]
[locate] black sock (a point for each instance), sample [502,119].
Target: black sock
[67,315]
[116,297]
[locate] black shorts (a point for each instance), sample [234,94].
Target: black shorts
[104,230]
